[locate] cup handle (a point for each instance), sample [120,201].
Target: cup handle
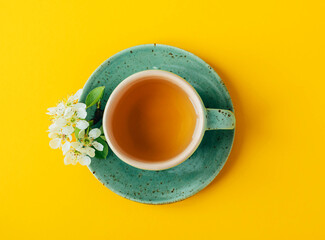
[220,119]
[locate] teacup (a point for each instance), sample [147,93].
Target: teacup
[155,120]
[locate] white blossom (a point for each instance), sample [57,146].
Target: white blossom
[68,115]
[83,149]
[73,156]
[57,138]
[88,141]
[65,117]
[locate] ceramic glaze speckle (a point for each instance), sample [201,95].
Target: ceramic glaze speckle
[188,178]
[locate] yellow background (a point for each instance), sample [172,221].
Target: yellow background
[270,54]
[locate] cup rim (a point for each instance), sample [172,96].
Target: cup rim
[198,131]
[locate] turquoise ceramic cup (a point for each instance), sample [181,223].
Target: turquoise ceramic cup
[208,119]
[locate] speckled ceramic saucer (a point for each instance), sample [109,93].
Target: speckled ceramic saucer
[188,178]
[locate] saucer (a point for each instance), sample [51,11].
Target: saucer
[191,176]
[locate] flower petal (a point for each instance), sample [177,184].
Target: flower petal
[60,122]
[70,100]
[51,111]
[84,160]
[77,146]
[68,113]
[54,128]
[81,134]
[67,160]
[55,143]
[67,130]
[53,135]
[94,133]
[90,151]
[77,94]
[60,109]
[80,105]
[66,147]
[98,146]
[82,124]
[81,113]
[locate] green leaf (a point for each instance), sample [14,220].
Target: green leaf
[103,137]
[76,132]
[94,96]
[102,154]
[101,129]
